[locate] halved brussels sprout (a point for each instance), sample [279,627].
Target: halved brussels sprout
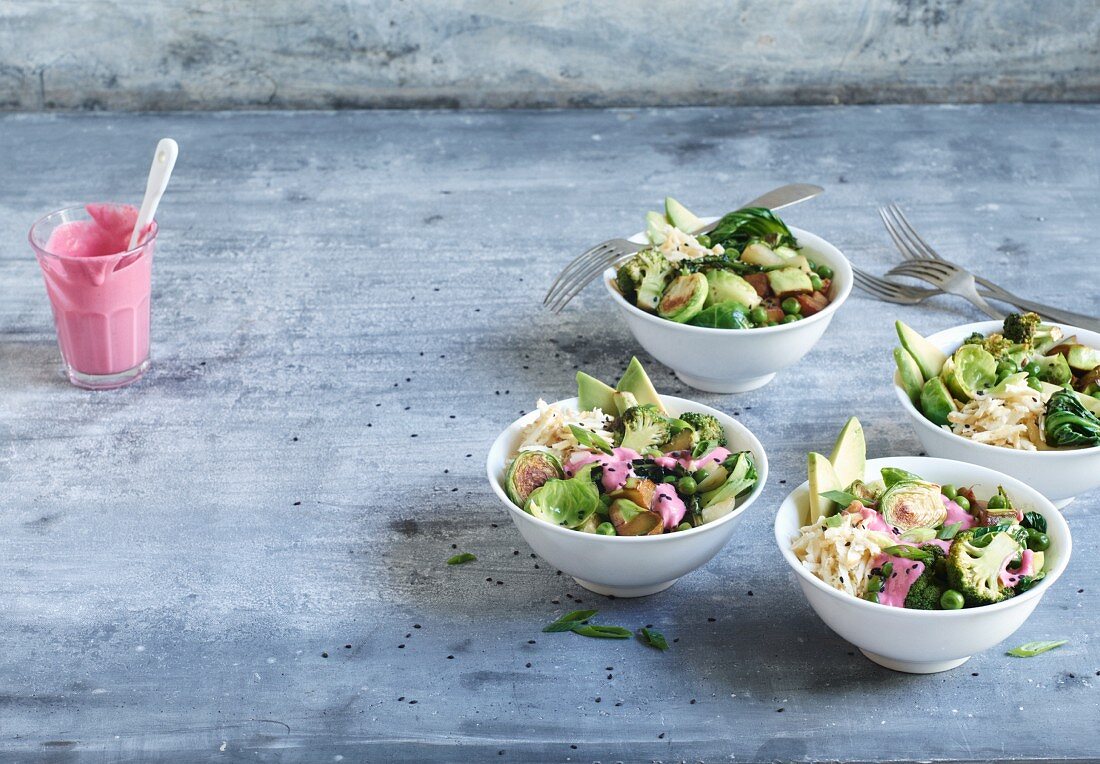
[528,471]
[630,519]
[969,370]
[869,491]
[568,503]
[913,504]
[684,298]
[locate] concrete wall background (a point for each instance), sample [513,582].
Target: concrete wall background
[203,54]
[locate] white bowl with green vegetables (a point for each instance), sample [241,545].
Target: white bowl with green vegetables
[626,503]
[726,318]
[926,641]
[1007,415]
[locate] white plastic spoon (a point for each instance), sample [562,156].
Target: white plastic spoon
[163,161]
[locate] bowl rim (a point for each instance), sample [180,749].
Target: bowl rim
[818,242]
[728,423]
[916,414]
[1049,512]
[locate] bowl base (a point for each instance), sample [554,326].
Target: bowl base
[725,386]
[914,667]
[625,591]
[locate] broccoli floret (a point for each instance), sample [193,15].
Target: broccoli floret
[1020,327]
[643,427]
[997,345]
[681,437]
[706,427]
[926,591]
[642,279]
[974,566]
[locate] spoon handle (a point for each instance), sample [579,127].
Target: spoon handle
[163,161]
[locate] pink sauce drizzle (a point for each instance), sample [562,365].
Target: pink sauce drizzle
[1027,568]
[900,581]
[616,466]
[683,459]
[668,505]
[956,514]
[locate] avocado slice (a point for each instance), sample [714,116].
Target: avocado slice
[636,382]
[680,217]
[909,372]
[822,478]
[762,255]
[1083,358]
[624,401]
[726,286]
[594,394]
[929,358]
[936,401]
[849,456]
[656,228]
[787,281]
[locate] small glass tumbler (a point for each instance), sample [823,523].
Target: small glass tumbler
[100,305]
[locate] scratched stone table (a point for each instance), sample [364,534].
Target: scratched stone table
[243,557]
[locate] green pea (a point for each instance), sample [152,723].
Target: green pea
[949,491]
[790,319]
[773,323]
[1037,541]
[683,527]
[758,315]
[995,502]
[963,502]
[951,600]
[790,306]
[1034,383]
[824,271]
[606,529]
[704,240]
[1032,369]
[700,476]
[687,485]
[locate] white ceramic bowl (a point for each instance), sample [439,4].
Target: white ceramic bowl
[1058,475]
[736,360]
[926,641]
[627,566]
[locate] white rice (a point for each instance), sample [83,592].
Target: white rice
[680,245]
[550,431]
[842,557]
[1011,419]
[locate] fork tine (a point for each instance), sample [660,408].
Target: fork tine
[900,243]
[939,269]
[575,285]
[580,277]
[875,285]
[927,250]
[579,262]
[597,258]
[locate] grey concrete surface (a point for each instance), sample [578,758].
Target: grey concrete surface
[242,558]
[202,54]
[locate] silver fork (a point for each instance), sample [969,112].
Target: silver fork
[953,280]
[922,251]
[890,291]
[590,264]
